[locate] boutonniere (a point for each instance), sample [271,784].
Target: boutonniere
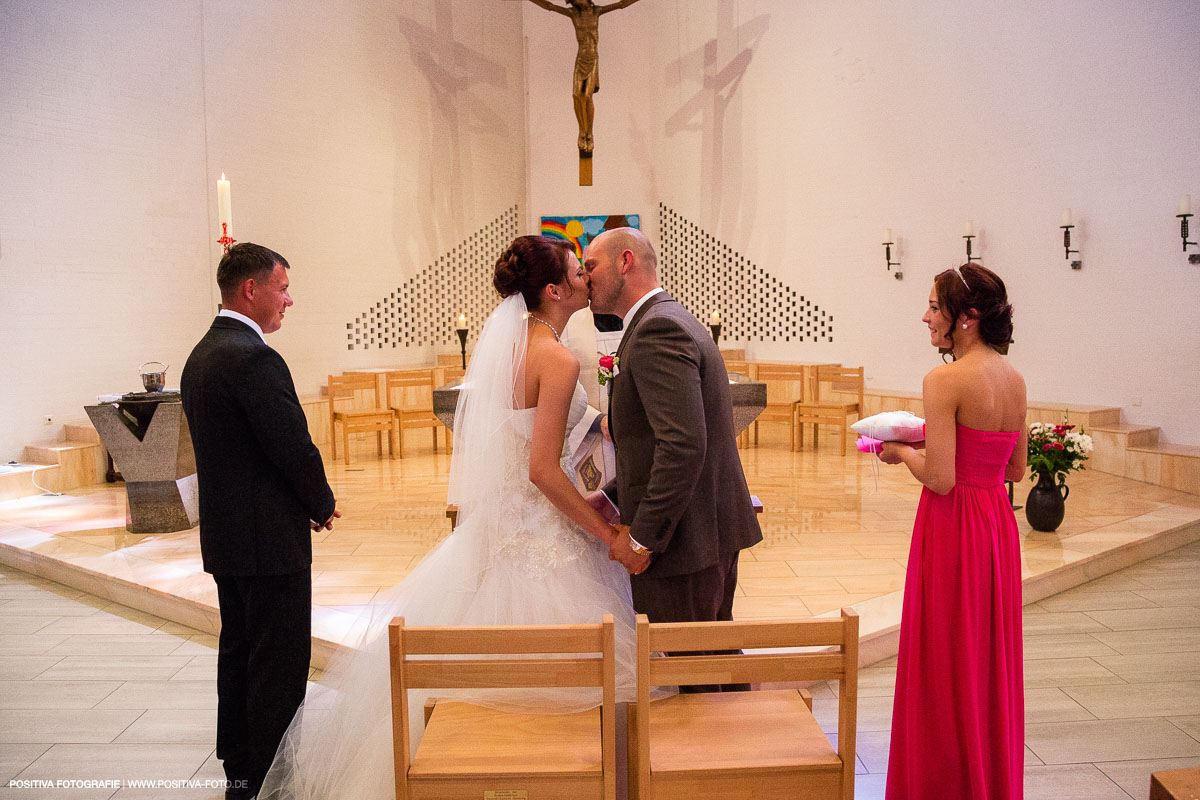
[608,369]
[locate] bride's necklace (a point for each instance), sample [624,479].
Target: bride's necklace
[557,338]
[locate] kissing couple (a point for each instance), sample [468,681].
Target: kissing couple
[529,548]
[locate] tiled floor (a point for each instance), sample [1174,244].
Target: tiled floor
[836,533]
[93,691]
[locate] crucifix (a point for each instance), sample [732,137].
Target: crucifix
[585,16]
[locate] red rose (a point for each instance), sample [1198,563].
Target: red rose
[1058,446]
[606,362]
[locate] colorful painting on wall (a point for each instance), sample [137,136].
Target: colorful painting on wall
[581,230]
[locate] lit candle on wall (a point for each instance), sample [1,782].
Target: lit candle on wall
[224,207]
[887,236]
[1066,218]
[716,318]
[1185,204]
[969,228]
[462,322]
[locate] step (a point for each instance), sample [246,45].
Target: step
[1175,466]
[81,432]
[79,462]
[18,481]
[1112,441]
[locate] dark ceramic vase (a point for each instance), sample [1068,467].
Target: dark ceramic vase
[1046,504]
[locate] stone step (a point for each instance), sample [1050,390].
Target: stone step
[79,463]
[81,432]
[17,481]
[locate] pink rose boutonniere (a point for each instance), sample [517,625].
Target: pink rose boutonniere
[608,368]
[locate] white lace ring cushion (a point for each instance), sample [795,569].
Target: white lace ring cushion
[892,426]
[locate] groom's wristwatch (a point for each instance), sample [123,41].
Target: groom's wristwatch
[637,548]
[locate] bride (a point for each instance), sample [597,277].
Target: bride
[528,549]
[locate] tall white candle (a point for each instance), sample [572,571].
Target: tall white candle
[462,322]
[224,207]
[1185,204]
[969,228]
[887,236]
[716,318]
[1066,218]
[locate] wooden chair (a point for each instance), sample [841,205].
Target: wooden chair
[375,419]
[785,388]
[469,751]
[756,745]
[844,380]
[412,413]
[733,353]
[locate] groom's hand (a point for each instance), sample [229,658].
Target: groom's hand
[621,550]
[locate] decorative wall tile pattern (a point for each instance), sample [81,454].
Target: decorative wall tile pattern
[423,310]
[706,275]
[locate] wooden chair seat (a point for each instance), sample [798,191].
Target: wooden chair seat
[737,732]
[413,413]
[357,419]
[467,740]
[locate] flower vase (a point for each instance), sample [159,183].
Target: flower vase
[1046,503]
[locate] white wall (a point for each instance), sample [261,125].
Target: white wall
[796,132]
[362,142]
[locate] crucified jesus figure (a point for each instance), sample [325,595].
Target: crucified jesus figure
[585,16]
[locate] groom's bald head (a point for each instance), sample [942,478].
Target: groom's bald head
[620,266]
[618,240]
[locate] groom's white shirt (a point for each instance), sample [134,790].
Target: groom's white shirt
[625,324]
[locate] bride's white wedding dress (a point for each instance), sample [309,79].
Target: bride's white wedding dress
[513,559]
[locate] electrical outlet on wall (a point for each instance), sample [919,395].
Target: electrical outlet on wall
[47,419]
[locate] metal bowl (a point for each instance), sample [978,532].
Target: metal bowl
[154,381]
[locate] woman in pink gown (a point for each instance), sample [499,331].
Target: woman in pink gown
[958,726]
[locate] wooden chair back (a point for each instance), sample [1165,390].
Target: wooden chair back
[733,353]
[410,389]
[741,367]
[785,382]
[843,380]
[502,657]
[349,387]
[693,664]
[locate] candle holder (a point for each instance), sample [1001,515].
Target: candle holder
[970,237]
[1066,229]
[226,240]
[462,341]
[716,332]
[1193,258]
[887,258]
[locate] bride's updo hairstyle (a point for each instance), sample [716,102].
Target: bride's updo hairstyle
[975,286]
[529,264]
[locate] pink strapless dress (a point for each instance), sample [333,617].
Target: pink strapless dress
[958,726]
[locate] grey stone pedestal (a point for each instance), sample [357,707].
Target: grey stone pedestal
[148,438]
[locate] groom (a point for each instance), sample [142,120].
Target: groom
[680,487]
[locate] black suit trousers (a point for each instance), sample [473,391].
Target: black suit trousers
[704,596]
[262,667]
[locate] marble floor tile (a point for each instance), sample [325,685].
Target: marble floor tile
[1134,776]
[1093,601]
[1109,740]
[1163,699]
[1153,667]
[54,694]
[115,667]
[870,787]
[1189,725]
[28,644]
[23,668]
[174,694]
[872,748]
[1053,705]
[1065,645]
[16,757]
[1155,640]
[119,761]
[78,726]
[176,726]
[99,624]
[1070,782]
[1183,596]
[1148,618]
[118,645]
[1058,672]
[1060,622]
[26,624]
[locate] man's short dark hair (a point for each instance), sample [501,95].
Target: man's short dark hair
[246,260]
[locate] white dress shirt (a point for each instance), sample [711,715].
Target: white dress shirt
[225,312]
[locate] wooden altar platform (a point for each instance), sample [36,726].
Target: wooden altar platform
[836,533]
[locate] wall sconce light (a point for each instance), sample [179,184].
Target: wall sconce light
[888,241]
[1185,211]
[969,235]
[1066,226]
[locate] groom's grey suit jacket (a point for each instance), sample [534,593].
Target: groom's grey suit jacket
[680,485]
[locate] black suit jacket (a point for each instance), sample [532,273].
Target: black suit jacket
[260,476]
[680,485]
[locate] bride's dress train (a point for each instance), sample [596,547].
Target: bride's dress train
[514,559]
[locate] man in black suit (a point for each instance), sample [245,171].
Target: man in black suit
[262,493]
[680,487]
